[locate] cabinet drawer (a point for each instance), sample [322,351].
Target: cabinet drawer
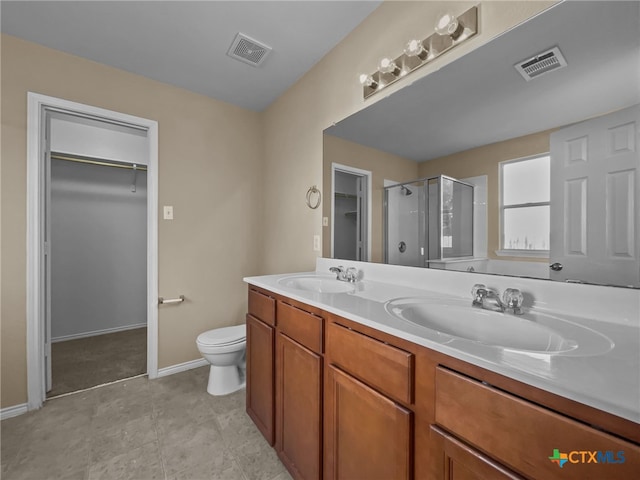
[378,364]
[304,327]
[262,306]
[524,436]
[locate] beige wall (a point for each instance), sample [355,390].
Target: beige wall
[330,92]
[485,160]
[239,199]
[383,166]
[210,169]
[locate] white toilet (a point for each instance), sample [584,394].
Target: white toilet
[224,348]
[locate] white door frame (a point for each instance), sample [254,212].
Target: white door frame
[336,167]
[35,216]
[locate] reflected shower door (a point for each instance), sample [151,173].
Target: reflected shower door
[405,224]
[450,218]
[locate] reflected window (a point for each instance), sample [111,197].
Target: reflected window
[525,204]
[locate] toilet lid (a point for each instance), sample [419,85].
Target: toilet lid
[223,336]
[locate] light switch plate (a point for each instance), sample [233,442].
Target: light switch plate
[325,221]
[168,212]
[316,243]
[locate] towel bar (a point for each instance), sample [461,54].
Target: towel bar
[163,301]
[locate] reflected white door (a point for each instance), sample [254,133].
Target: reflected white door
[595,197]
[362,213]
[46,251]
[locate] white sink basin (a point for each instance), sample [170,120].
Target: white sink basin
[317,284]
[531,332]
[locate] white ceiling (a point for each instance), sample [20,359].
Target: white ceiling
[184,43]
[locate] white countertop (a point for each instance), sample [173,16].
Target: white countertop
[609,381]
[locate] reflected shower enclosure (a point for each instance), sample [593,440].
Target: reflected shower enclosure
[405,223]
[428,219]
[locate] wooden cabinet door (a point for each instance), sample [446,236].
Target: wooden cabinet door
[260,379]
[367,435]
[459,461]
[299,408]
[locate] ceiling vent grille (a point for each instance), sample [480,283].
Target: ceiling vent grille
[541,63]
[248,50]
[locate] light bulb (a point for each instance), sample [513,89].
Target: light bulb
[367,81]
[414,48]
[448,24]
[388,66]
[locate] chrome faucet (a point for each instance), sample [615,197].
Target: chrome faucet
[489,299]
[345,275]
[486,298]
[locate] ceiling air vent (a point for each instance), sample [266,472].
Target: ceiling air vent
[248,50]
[541,63]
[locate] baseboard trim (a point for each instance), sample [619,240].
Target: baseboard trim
[14,411]
[182,367]
[95,333]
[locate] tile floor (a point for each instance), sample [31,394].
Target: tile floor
[139,429]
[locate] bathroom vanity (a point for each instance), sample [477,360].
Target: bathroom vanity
[344,389]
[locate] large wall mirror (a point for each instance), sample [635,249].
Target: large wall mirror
[553,158]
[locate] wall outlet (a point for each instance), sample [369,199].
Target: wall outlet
[325,221]
[168,212]
[316,243]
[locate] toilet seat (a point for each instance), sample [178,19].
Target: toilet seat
[222,337]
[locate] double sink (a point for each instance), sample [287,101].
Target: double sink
[453,319]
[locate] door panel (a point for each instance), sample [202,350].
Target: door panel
[46,248]
[369,435]
[363,213]
[260,384]
[299,408]
[595,199]
[461,462]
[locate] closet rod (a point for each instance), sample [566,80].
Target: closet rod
[104,163]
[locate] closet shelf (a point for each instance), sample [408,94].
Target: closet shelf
[345,195]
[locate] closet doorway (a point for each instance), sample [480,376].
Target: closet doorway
[97,216]
[92,314]
[351,218]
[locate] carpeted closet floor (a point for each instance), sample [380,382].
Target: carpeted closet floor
[87,362]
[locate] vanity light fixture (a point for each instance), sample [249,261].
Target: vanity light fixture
[449,32]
